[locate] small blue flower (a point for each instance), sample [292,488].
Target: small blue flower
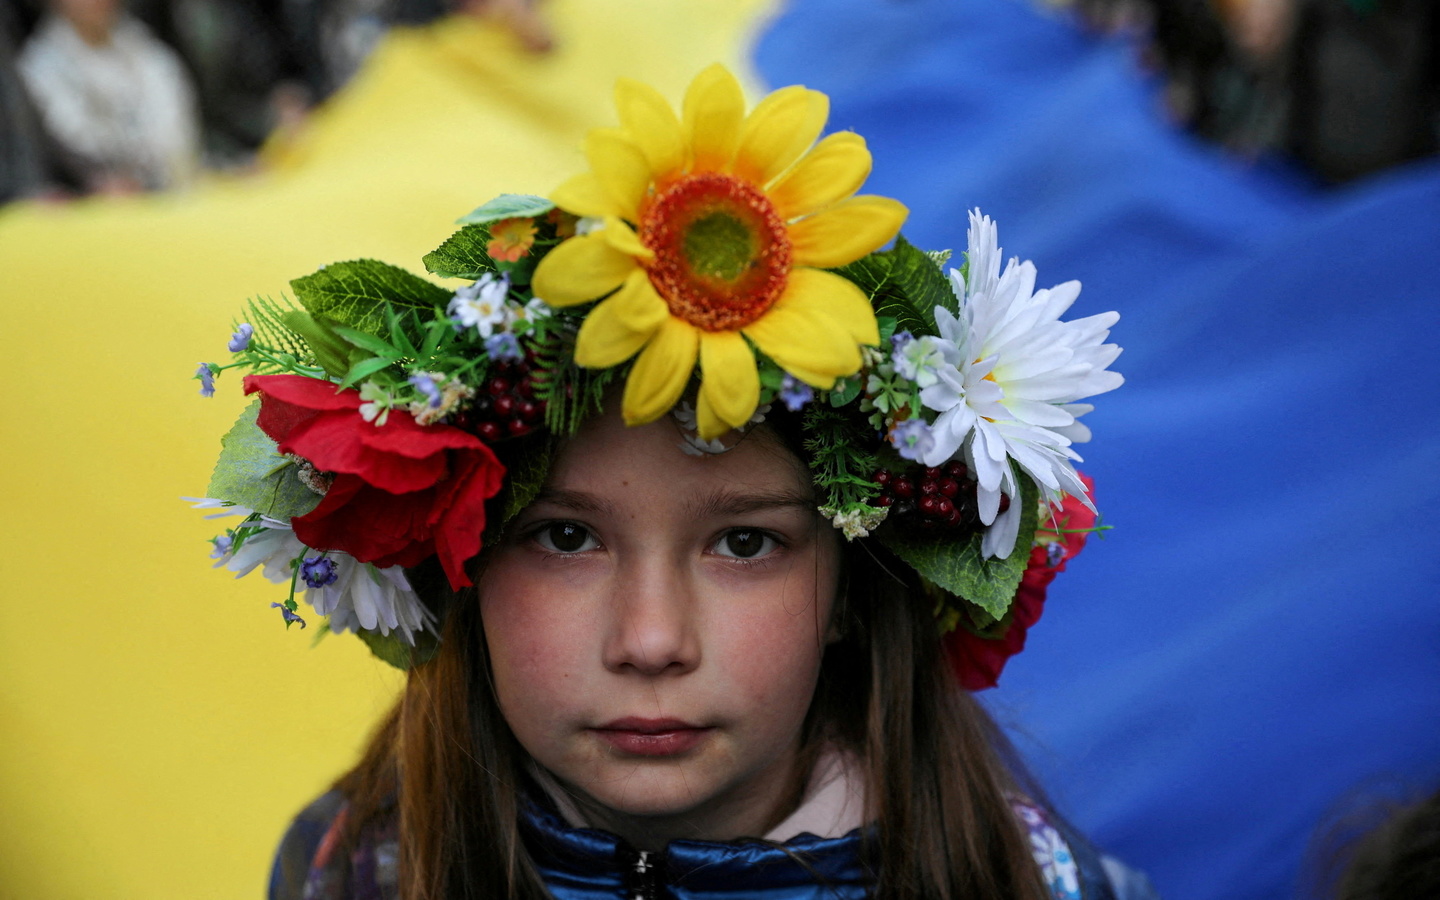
[795,393]
[503,346]
[207,380]
[426,385]
[912,439]
[898,341]
[290,617]
[240,340]
[1055,554]
[223,543]
[318,571]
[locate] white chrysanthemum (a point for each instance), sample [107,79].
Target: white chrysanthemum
[1012,377]
[361,595]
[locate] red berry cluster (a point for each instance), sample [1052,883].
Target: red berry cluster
[506,405]
[938,497]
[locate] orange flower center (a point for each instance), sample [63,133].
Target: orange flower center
[721,251]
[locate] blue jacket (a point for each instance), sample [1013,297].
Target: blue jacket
[588,864]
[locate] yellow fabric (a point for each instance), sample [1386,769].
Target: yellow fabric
[158,725]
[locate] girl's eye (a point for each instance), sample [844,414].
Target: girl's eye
[745,543]
[565,537]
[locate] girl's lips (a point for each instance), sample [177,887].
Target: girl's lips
[652,737]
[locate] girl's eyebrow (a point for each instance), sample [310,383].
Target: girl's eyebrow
[575,500]
[724,502]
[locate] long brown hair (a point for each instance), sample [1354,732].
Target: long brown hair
[939,776]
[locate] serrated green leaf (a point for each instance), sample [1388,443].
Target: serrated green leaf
[959,569]
[251,472]
[896,286]
[920,279]
[507,206]
[526,475]
[355,293]
[391,649]
[463,255]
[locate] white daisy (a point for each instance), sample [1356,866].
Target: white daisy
[1012,375]
[481,305]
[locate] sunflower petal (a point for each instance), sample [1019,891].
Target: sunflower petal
[583,196]
[620,168]
[846,231]
[613,331]
[778,132]
[638,305]
[620,236]
[805,343]
[708,426]
[714,109]
[729,381]
[835,298]
[661,372]
[580,269]
[652,125]
[833,170]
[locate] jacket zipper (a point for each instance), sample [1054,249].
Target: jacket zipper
[643,884]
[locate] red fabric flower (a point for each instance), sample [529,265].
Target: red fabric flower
[978,661]
[402,491]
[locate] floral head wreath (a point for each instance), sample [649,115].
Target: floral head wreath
[713,247]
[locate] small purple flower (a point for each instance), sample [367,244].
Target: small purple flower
[240,340]
[795,393]
[318,571]
[290,617]
[207,380]
[504,346]
[426,385]
[1055,554]
[912,439]
[899,339]
[223,543]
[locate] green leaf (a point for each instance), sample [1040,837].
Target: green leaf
[507,206]
[368,342]
[463,255]
[364,369]
[354,293]
[330,351]
[391,649]
[904,284]
[251,472]
[525,476]
[846,390]
[958,567]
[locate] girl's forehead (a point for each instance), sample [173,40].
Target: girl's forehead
[607,454]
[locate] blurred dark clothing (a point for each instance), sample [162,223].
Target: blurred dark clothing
[24,166]
[1365,85]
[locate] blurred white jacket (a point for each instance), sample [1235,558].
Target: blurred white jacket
[125,111]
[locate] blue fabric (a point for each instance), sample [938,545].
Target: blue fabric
[1258,638]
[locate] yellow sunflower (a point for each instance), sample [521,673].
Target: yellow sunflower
[717,229]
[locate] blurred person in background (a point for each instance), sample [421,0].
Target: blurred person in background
[1344,87]
[117,101]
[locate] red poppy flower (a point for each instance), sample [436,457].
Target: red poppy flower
[402,491]
[978,661]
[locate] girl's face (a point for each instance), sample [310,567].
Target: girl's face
[655,623]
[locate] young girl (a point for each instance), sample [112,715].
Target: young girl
[677,638]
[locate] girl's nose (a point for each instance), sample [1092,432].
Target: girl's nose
[652,629]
